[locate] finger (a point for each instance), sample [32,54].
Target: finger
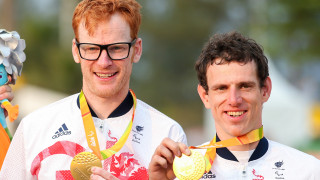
[95,177]
[159,161]
[9,79]
[99,173]
[176,147]
[166,152]
[171,145]
[6,92]
[163,156]
[184,149]
[5,88]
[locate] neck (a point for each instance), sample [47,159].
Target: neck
[104,106]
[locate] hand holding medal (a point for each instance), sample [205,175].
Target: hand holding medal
[82,163]
[195,165]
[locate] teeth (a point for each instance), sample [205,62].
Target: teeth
[235,114]
[104,75]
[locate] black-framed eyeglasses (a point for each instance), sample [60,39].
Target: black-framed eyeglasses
[115,51]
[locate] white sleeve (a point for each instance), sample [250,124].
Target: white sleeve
[14,165]
[177,134]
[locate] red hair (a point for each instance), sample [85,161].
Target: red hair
[91,12]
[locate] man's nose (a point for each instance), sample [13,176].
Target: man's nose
[234,98]
[104,58]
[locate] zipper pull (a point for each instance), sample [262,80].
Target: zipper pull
[244,171]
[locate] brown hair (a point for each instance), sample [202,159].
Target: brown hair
[231,47]
[94,11]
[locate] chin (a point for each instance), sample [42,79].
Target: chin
[108,92]
[238,132]
[103,91]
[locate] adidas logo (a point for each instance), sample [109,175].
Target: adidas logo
[63,130]
[208,175]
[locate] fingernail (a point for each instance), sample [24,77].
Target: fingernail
[179,154]
[188,151]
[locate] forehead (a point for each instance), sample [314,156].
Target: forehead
[231,73]
[115,28]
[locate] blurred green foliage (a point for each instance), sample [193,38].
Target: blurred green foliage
[173,33]
[48,65]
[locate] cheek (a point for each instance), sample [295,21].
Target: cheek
[85,68]
[255,104]
[214,104]
[217,100]
[128,67]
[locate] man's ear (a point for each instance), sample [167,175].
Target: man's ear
[137,50]
[266,89]
[204,96]
[75,52]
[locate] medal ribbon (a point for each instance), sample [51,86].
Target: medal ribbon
[253,136]
[91,134]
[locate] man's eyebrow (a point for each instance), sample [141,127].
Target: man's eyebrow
[250,83]
[218,85]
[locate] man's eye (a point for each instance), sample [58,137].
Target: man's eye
[0,76]
[92,49]
[221,88]
[116,48]
[245,86]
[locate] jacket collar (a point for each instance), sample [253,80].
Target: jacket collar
[122,109]
[260,150]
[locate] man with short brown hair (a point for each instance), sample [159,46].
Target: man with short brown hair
[234,84]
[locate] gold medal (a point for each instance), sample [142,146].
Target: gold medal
[189,167]
[81,165]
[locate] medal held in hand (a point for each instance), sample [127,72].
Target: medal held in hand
[191,167]
[82,163]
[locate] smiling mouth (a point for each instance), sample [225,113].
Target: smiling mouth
[235,114]
[105,75]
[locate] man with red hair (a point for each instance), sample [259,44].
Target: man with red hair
[105,117]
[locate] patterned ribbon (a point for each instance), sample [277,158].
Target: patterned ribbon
[91,134]
[253,136]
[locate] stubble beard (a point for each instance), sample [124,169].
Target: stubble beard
[103,91]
